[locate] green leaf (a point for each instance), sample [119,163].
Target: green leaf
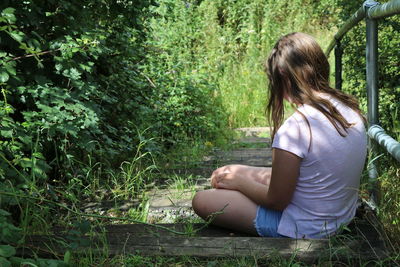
[4,77]
[58,67]
[17,261]
[50,263]
[4,262]
[17,36]
[26,162]
[8,13]
[10,68]
[72,73]
[3,212]
[7,251]
[6,133]
[67,257]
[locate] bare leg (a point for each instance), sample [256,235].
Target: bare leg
[238,214]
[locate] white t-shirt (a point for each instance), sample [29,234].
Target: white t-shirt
[327,189]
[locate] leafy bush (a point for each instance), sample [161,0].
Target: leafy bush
[77,81]
[84,84]
[56,105]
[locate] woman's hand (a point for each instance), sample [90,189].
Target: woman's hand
[228,177]
[273,190]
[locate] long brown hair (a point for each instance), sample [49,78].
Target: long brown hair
[297,69]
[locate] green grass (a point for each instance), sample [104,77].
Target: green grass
[193,261]
[188,155]
[179,183]
[389,204]
[244,94]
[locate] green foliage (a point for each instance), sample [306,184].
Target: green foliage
[51,107]
[182,104]
[8,233]
[76,234]
[133,175]
[226,42]
[85,86]
[389,211]
[77,86]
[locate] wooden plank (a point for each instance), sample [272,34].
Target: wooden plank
[197,229]
[114,243]
[305,250]
[225,246]
[363,242]
[179,246]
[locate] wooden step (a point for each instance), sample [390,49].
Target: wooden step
[196,240]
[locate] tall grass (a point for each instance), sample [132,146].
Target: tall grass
[133,175]
[238,36]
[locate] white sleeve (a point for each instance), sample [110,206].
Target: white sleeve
[293,136]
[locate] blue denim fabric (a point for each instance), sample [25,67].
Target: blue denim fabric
[267,221]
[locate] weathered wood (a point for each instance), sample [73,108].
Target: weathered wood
[306,250]
[179,246]
[209,242]
[227,246]
[261,157]
[196,229]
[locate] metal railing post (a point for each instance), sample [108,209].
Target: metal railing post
[372,65]
[372,85]
[338,65]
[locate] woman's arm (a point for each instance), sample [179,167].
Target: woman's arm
[285,172]
[258,174]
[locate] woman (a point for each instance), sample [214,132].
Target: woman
[318,155]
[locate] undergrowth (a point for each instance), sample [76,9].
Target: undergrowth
[389,204]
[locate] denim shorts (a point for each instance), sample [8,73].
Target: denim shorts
[267,221]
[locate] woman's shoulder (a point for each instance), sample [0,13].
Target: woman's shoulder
[312,113]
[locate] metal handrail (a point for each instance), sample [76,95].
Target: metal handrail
[377,133]
[374,12]
[385,10]
[371,11]
[347,26]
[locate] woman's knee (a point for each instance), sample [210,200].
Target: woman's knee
[199,203]
[208,202]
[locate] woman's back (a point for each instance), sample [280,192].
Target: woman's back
[327,187]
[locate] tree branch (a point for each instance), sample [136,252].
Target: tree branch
[34,54]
